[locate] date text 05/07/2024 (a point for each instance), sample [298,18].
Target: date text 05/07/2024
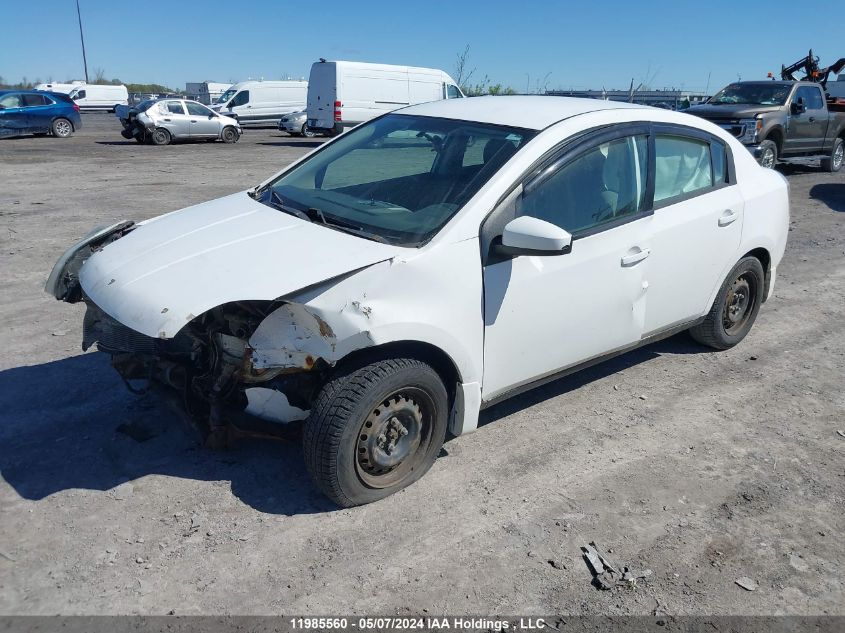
[416,623]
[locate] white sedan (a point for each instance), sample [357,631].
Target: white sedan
[429,263]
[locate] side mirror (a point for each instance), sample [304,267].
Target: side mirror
[798,107]
[531,236]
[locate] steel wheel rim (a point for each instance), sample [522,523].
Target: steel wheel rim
[62,128]
[838,154]
[739,303]
[228,135]
[768,158]
[394,438]
[160,136]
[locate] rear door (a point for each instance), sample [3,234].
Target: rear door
[39,111]
[322,93]
[13,116]
[174,119]
[697,225]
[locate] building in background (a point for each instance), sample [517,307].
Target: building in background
[669,99]
[206,91]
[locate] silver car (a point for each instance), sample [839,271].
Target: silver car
[295,125]
[160,121]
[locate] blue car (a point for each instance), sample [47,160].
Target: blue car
[37,112]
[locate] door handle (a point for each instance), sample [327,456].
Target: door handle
[167,119]
[812,119]
[635,258]
[193,120]
[728,217]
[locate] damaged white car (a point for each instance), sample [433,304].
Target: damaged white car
[429,263]
[161,121]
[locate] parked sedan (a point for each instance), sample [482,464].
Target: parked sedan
[295,124]
[160,121]
[428,264]
[37,112]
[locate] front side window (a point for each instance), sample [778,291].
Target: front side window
[242,98]
[197,109]
[605,184]
[10,101]
[811,97]
[79,95]
[452,92]
[398,178]
[226,95]
[682,166]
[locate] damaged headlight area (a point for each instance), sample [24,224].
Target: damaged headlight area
[210,371]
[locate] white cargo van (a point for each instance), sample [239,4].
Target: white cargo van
[59,87]
[344,94]
[260,102]
[99,97]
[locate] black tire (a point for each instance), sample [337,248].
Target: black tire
[768,154]
[735,308]
[229,135]
[833,162]
[61,128]
[375,429]
[307,132]
[160,136]
[140,139]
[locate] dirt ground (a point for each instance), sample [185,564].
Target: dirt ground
[702,467]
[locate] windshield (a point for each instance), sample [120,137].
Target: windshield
[753,93]
[226,95]
[396,179]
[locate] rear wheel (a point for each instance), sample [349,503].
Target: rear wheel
[160,136]
[834,161]
[307,132]
[735,308]
[768,154]
[62,128]
[229,135]
[375,429]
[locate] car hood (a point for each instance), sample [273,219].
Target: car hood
[175,267]
[726,111]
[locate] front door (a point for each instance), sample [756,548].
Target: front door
[203,123]
[13,115]
[546,314]
[806,129]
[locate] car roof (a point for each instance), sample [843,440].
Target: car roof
[534,112]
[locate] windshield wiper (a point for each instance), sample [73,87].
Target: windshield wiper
[277,202]
[315,214]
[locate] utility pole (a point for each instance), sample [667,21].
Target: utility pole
[82,39]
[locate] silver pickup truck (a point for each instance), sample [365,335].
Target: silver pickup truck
[779,120]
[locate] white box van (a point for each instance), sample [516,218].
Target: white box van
[252,102]
[59,87]
[99,97]
[344,94]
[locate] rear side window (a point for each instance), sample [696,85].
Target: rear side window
[175,107]
[682,167]
[605,184]
[33,100]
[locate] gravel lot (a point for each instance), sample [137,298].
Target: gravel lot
[703,467]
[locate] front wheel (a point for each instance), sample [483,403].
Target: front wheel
[160,136]
[768,154]
[62,128]
[375,429]
[735,308]
[833,162]
[229,135]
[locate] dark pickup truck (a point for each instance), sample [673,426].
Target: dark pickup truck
[780,119]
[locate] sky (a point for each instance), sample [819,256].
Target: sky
[526,45]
